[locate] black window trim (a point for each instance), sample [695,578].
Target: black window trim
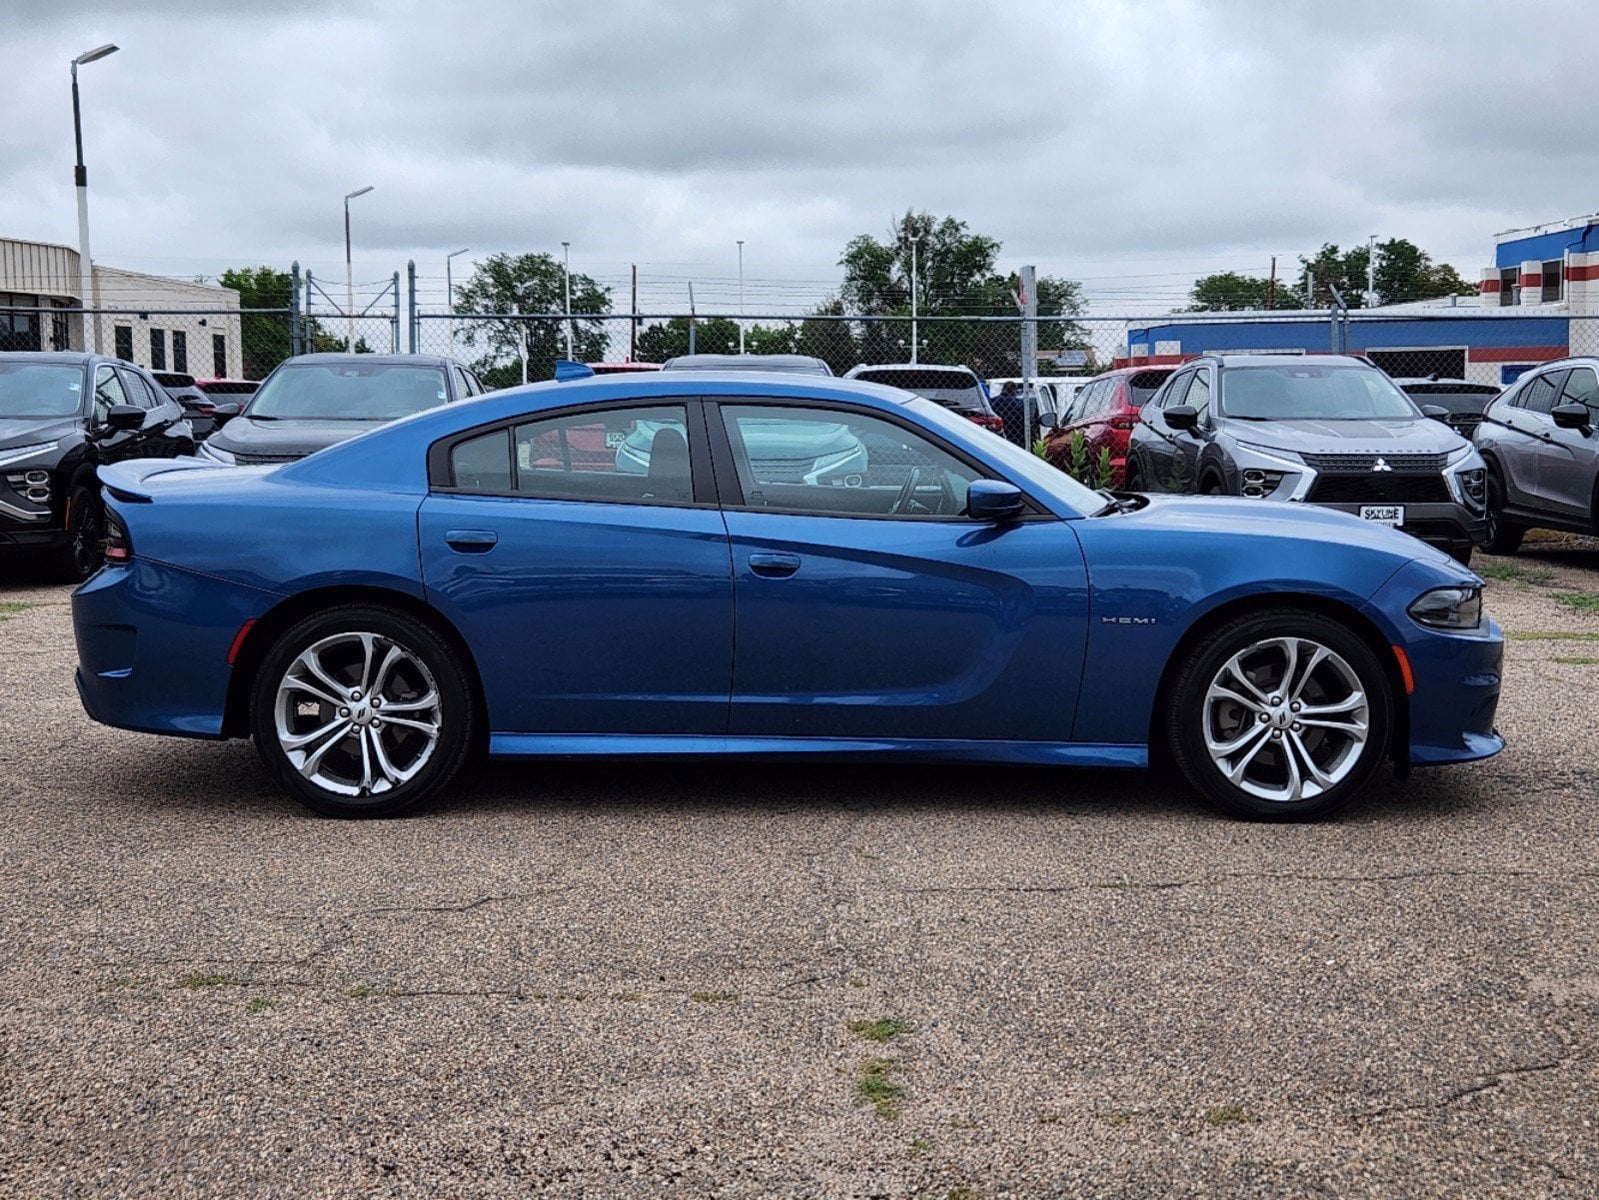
[441,478]
[732,491]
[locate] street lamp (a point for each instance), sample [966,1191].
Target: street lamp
[914,240]
[349,273]
[1371,271]
[449,289]
[566,276]
[91,339]
[741,295]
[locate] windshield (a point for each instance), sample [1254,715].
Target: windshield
[1024,467]
[348,392]
[1308,392]
[39,389]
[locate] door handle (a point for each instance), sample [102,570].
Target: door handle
[471,541]
[774,566]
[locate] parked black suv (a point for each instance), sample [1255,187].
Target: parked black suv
[62,414]
[318,400]
[1542,451]
[1323,429]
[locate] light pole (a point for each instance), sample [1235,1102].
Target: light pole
[349,274]
[566,279]
[91,339]
[741,295]
[449,289]
[914,240]
[1371,272]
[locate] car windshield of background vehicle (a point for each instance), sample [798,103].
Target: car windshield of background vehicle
[348,392]
[40,390]
[1145,384]
[1306,392]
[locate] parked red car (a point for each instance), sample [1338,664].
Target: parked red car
[1105,409]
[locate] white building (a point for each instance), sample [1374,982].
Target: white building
[160,323]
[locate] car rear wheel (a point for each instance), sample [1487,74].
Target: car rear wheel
[1502,536]
[1282,715]
[361,712]
[85,547]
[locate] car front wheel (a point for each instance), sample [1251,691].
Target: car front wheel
[1281,715]
[361,712]
[84,550]
[1500,536]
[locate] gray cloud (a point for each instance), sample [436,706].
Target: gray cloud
[1100,139]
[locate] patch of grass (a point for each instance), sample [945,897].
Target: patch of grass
[10,608]
[874,1087]
[1549,635]
[1499,571]
[1228,1114]
[1580,601]
[361,991]
[260,1005]
[881,1030]
[202,979]
[857,983]
[712,997]
[961,1123]
[1576,660]
[920,1146]
[1049,1118]
[1116,1117]
[963,1191]
[130,981]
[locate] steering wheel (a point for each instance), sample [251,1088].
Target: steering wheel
[907,493]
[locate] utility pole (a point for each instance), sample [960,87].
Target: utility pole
[914,240]
[349,274]
[91,325]
[1271,285]
[1028,303]
[449,291]
[566,272]
[632,334]
[1371,272]
[691,316]
[741,295]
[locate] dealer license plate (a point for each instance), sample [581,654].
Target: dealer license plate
[1383,514]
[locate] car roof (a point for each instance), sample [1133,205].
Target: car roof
[1278,360]
[955,368]
[78,357]
[334,358]
[793,364]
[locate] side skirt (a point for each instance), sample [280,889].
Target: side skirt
[578,745]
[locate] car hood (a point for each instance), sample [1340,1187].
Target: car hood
[1415,435]
[30,431]
[245,435]
[1184,516]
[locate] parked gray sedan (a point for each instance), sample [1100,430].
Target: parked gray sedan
[1542,454]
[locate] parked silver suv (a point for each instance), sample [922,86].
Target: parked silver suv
[1542,453]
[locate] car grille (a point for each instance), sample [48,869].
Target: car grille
[1379,488]
[256,460]
[1366,464]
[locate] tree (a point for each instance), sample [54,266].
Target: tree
[264,337]
[712,335]
[530,283]
[1404,272]
[1228,291]
[956,276]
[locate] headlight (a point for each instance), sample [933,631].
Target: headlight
[217,454]
[1474,484]
[16,454]
[1449,608]
[1285,456]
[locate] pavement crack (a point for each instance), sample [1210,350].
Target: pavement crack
[1485,1083]
[468,906]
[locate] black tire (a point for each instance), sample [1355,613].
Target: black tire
[1461,553]
[1212,487]
[1131,480]
[1189,720]
[84,550]
[431,662]
[1501,536]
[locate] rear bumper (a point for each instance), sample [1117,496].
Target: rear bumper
[153,645]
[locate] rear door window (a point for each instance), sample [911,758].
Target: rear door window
[1145,384]
[107,391]
[1539,395]
[1582,387]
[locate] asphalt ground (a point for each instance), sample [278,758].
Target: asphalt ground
[641,980]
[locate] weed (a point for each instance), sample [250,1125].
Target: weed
[920,1145]
[259,1005]
[880,1030]
[360,991]
[961,1123]
[857,983]
[1547,635]
[1499,571]
[1228,1114]
[712,997]
[10,608]
[201,979]
[1049,1118]
[875,1087]
[1581,601]
[130,981]
[1116,1117]
[1577,660]
[963,1191]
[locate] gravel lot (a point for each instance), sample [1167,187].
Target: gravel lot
[640,980]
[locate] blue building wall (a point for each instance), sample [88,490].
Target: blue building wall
[1546,246]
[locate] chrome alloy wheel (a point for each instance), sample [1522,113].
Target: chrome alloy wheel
[1286,719]
[357,714]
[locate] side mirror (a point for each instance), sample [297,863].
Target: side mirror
[223,413]
[1048,419]
[992,500]
[1182,417]
[124,417]
[1436,411]
[1571,416]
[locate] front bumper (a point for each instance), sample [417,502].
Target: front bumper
[1437,523]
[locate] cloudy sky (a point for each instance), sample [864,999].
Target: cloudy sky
[1132,145]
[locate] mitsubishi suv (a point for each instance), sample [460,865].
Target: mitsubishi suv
[1542,453]
[1324,429]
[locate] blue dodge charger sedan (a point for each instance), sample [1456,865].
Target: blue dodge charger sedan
[488,576]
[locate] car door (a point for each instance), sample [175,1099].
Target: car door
[1187,444]
[1530,419]
[583,557]
[1568,459]
[1157,441]
[878,610]
[161,426]
[114,445]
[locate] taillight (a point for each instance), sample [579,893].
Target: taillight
[1123,422]
[118,548]
[987,422]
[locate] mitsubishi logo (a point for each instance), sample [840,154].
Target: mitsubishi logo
[1381,464]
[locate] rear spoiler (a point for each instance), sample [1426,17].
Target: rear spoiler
[130,481]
